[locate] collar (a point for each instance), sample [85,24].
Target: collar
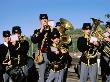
[85,35]
[6,44]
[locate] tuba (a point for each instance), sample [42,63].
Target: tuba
[97,30]
[65,25]
[100,34]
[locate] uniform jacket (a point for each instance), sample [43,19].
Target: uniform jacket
[40,38]
[21,48]
[60,59]
[3,52]
[82,47]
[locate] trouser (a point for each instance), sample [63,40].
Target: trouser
[88,70]
[107,78]
[105,69]
[7,78]
[42,68]
[1,72]
[1,77]
[56,76]
[64,74]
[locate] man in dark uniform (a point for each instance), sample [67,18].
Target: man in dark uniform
[19,57]
[105,55]
[57,58]
[42,37]
[5,51]
[88,47]
[66,47]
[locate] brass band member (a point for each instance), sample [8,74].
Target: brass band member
[88,58]
[19,56]
[66,47]
[5,50]
[58,59]
[42,37]
[21,45]
[105,55]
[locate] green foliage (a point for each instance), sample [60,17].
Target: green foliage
[32,47]
[74,35]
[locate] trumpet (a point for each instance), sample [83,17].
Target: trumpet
[46,27]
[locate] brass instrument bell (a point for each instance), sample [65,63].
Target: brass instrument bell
[65,25]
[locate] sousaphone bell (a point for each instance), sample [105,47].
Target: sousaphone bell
[65,25]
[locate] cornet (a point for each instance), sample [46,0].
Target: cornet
[46,28]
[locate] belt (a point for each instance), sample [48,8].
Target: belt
[57,68]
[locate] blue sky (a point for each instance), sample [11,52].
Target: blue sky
[25,13]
